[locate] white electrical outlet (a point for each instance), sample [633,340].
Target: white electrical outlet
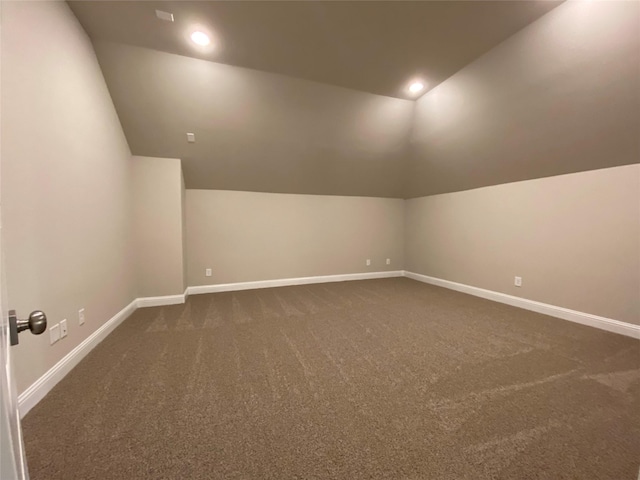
[368,262]
[388,261]
[81,316]
[518,281]
[63,328]
[54,333]
[191,137]
[207,272]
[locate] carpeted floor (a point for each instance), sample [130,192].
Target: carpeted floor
[376,379]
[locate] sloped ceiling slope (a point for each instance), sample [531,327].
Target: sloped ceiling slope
[368,46]
[257,131]
[560,96]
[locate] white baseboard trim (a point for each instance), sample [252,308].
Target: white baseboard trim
[285,282]
[160,301]
[36,392]
[603,323]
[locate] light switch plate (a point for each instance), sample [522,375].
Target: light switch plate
[54,333]
[191,137]
[81,316]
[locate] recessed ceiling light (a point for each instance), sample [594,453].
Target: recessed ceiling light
[200,38]
[416,87]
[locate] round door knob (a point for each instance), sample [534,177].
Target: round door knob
[37,322]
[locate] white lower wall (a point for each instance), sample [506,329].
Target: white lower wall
[66,184]
[158,225]
[248,236]
[574,239]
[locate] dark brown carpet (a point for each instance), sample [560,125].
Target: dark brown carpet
[378,379]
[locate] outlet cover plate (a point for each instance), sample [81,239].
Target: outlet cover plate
[54,333]
[63,328]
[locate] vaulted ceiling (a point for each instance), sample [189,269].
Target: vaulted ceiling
[256,131]
[270,111]
[374,47]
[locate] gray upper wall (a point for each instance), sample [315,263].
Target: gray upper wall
[560,96]
[257,131]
